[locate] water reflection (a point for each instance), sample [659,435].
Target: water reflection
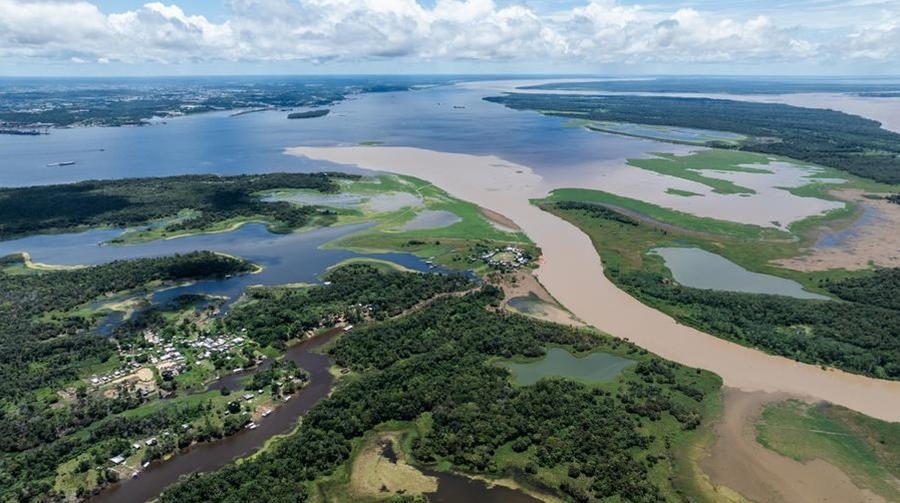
[701,269]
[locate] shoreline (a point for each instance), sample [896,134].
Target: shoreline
[573,274]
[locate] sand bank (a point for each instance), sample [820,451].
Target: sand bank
[873,240]
[737,461]
[573,274]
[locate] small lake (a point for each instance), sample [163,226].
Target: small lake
[595,367]
[431,219]
[698,268]
[456,488]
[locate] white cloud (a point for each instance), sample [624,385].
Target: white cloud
[594,32]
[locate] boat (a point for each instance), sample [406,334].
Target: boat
[62,163]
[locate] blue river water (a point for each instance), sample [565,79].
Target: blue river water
[285,258]
[250,143]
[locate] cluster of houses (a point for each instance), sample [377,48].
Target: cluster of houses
[112,376]
[167,357]
[208,345]
[504,259]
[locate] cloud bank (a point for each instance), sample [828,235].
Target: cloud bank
[322,31]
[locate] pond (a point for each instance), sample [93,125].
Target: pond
[595,367]
[431,219]
[456,488]
[698,268]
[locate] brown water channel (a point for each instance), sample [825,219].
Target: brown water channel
[211,456]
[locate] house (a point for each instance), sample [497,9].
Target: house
[117,460]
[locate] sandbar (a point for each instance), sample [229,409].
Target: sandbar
[572,273]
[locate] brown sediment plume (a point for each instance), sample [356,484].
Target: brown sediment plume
[572,273]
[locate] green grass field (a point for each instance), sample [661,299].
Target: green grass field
[866,449]
[691,167]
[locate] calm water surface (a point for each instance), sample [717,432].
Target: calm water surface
[701,269]
[595,367]
[286,258]
[253,143]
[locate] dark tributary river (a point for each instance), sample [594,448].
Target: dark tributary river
[211,456]
[452,488]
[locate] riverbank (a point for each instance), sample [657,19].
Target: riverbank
[573,274]
[738,461]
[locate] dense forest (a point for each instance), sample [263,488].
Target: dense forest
[130,202]
[356,292]
[727,85]
[437,362]
[859,334]
[45,343]
[826,137]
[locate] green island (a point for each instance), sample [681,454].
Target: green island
[312,114]
[176,205]
[859,334]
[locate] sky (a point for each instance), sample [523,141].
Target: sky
[598,37]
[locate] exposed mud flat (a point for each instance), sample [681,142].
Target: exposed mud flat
[737,461]
[523,284]
[375,474]
[571,271]
[876,242]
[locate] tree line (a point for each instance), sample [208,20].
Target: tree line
[826,137]
[136,201]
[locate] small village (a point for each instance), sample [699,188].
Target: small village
[503,259]
[159,368]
